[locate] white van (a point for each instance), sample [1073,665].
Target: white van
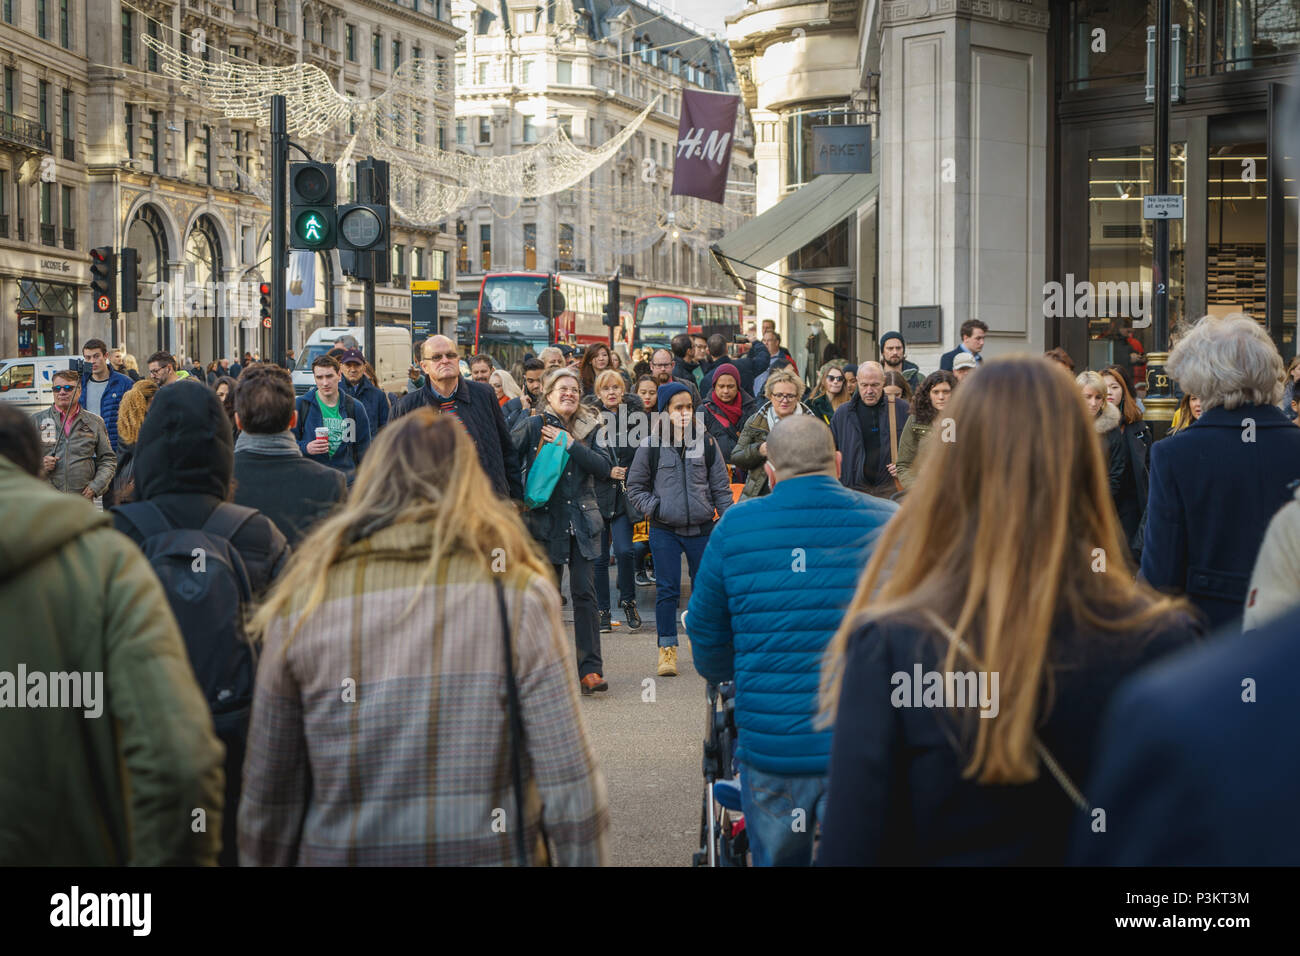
[25,383]
[392,342]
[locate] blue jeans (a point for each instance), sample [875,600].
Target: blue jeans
[667,549]
[780,835]
[619,529]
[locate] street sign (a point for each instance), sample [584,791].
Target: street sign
[920,324]
[1162,207]
[424,308]
[266,323]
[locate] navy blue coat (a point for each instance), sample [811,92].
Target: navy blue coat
[480,412]
[118,385]
[848,440]
[1192,775]
[762,613]
[897,794]
[1212,495]
[945,361]
[372,398]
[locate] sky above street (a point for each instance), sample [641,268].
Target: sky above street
[707,13]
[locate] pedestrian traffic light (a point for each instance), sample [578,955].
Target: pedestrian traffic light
[312,216]
[611,304]
[103,276]
[264,290]
[130,270]
[363,227]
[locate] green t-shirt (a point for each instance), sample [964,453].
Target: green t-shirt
[333,420]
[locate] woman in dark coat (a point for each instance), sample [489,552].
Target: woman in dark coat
[726,409]
[999,596]
[1109,427]
[1131,501]
[569,525]
[621,413]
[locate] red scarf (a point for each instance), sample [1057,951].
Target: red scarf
[730,410]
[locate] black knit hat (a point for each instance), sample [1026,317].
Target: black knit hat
[892,335]
[185,445]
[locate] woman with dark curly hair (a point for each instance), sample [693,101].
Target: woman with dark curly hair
[225,389]
[931,398]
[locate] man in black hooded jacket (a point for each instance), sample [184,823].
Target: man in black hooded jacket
[184,462]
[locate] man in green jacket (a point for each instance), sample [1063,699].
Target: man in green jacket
[109,756]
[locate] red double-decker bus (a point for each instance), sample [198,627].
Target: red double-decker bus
[508,323]
[661,315]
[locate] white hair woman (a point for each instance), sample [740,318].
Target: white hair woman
[1214,490]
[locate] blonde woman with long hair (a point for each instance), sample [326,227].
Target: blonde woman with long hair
[1021,580]
[380,733]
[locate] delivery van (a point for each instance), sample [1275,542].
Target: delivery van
[392,342]
[25,383]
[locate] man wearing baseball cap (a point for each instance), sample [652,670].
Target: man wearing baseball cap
[893,355]
[357,384]
[962,365]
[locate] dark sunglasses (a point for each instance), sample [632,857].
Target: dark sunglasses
[443,355]
[834,378]
[65,388]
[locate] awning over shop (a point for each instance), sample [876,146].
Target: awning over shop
[792,223]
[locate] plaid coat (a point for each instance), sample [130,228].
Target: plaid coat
[382,739]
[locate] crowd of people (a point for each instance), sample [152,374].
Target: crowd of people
[359,579]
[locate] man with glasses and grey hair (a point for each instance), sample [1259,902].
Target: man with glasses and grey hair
[1215,485]
[763,609]
[861,430]
[79,457]
[474,405]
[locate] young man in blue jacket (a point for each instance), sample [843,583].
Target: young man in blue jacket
[775,580]
[101,387]
[342,416]
[355,383]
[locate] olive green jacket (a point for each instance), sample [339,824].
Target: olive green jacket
[909,446]
[85,454]
[140,782]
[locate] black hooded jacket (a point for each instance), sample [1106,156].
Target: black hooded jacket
[184,462]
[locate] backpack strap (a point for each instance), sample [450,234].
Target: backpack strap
[224,522]
[146,516]
[226,519]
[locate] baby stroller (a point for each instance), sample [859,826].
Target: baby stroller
[723,840]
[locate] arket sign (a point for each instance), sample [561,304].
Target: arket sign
[841,149]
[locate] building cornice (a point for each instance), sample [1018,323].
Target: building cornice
[392,10]
[1028,14]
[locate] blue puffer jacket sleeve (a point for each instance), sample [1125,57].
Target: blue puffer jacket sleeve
[708,617]
[118,385]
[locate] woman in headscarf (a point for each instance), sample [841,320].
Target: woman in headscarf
[727,408]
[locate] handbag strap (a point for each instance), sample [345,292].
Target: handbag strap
[515,728]
[1061,777]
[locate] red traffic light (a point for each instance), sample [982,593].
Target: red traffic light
[264,288]
[98,255]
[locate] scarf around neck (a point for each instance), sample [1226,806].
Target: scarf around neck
[730,410]
[280,445]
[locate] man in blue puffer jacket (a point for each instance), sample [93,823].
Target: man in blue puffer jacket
[771,591]
[101,387]
[357,384]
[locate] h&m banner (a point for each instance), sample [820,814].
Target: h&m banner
[704,144]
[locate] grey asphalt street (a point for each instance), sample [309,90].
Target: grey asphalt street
[648,734]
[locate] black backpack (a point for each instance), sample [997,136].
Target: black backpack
[210,601]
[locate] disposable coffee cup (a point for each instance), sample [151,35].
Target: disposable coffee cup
[322,433]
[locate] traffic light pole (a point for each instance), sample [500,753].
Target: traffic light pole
[368,304]
[279,229]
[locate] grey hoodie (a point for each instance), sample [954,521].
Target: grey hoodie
[684,492]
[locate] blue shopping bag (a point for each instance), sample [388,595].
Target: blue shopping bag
[548,465]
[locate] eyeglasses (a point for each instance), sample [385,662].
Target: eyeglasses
[65,388]
[783,398]
[443,355]
[834,378]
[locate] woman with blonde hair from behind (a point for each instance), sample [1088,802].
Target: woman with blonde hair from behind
[390,726]
[1020,591]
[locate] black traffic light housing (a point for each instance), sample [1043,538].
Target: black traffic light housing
[313,221]
[363,227]
[103,277]
[129,262]
[611,305]
[264,291]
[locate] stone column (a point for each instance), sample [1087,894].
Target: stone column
[964,87]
